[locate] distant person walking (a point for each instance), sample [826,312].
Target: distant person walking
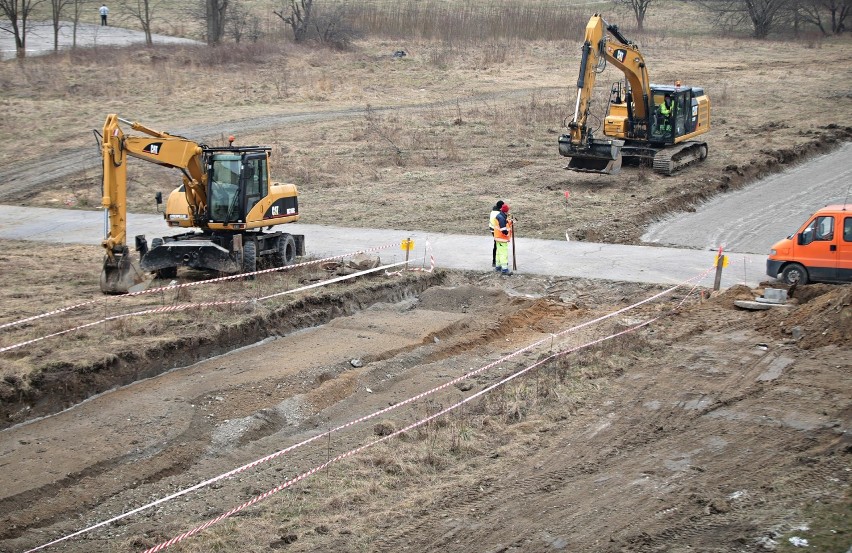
[492,222]
[104,11]
[502,236]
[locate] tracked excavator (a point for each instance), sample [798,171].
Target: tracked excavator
[225,202]
[640,125]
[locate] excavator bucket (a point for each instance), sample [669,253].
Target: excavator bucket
[593,156]
[120,273]
[595,165]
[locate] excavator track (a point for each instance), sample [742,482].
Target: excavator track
[677,157]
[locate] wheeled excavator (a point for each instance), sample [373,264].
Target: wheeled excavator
[226,198]
[640,125]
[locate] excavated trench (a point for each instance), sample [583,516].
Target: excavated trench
[62,385]
[324,353]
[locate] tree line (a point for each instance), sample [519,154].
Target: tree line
[331,22]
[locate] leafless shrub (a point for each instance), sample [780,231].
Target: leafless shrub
[381,128]
[332,27]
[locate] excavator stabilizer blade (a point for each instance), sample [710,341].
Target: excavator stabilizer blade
[120,273]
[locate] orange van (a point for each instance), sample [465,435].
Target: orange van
[820,251]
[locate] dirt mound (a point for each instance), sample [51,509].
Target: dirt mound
[460,298]
[738,292]
[824,316]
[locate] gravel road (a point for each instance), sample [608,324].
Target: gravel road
[750,220]
[40,37]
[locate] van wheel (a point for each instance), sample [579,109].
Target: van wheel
[794,274]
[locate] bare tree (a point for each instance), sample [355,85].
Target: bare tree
[333,28]
[838,9]
[808,12]
[829,16]
[17,12]
[144,11]
[639,8]
[75,20]
[242,23]
[297,14]
[215,15]
[57,7]
[760,15]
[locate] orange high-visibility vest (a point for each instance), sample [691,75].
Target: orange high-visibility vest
[498,234]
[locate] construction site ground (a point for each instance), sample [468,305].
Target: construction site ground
[711,428]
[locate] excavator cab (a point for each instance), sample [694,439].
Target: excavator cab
[237,180]
[683,117]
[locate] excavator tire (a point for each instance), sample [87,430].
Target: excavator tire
[249,258]
[285,251]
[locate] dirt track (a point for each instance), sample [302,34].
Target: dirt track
[706,430]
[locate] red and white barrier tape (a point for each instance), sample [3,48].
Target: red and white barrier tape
[394,434]
[196,283]
[186,306]
[380,412]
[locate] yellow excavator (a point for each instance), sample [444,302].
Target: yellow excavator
[226,197]
[645,123]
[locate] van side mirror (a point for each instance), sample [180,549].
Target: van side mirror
[158,197]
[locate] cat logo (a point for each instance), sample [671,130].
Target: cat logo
[153,148]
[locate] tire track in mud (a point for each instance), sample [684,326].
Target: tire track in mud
[22,180]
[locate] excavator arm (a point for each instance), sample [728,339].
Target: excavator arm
[120,272]
[603,43]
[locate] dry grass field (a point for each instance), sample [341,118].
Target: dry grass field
[428,142]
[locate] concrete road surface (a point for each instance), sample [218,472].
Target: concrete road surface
[452,251]
[757,216]
[40,36]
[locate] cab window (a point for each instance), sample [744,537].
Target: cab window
[224,180]
[255,174]
[847,229]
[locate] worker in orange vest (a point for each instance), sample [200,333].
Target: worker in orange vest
[502,237]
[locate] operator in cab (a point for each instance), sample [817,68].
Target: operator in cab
[665,110]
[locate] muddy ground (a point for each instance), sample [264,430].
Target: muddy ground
[711,429]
